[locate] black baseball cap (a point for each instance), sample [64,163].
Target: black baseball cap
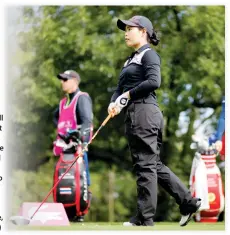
[137,21]
[69,74]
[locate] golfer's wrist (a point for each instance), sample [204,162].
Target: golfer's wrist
[128,93]
[131,94]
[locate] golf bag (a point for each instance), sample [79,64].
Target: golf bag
[206,183]
[72,191]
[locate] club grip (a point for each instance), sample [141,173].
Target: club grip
[107,119]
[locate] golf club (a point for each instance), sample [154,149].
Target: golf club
[21,220]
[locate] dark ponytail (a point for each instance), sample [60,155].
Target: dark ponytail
[153,39]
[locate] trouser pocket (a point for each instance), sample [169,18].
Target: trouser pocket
[130,119]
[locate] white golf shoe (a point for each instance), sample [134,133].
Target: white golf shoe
[128,224]
[186,218]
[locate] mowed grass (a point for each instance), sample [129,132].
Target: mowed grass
[161,226]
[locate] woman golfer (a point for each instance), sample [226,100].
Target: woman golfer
[138,80]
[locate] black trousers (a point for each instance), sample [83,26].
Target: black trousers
[144,127]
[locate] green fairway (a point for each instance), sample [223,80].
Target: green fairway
[118,226]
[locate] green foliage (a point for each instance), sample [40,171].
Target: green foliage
[53,39]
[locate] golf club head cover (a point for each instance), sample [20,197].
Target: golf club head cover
[64,137]
[74,135]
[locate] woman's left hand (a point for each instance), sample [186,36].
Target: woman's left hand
[122,100]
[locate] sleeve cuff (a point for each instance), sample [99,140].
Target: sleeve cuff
[132,93]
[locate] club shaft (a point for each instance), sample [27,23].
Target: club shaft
[103,124]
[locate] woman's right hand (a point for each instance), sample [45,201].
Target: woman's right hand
[113,109]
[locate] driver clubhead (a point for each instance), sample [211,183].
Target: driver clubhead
[19,220]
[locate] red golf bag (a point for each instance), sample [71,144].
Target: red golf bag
[72,191]
[206,183]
